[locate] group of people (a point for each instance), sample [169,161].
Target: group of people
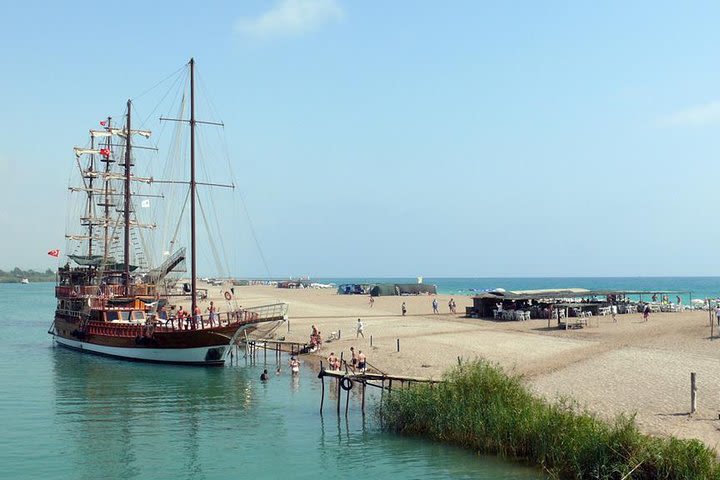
[358,361]
[666,299]
[294,364]
[315,338]
[187,321]
[436,305]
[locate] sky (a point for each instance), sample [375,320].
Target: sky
[404,138]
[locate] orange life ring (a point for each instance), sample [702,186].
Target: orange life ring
[228,296]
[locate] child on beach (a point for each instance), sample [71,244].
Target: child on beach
[646,312]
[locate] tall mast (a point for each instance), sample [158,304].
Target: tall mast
[106,201]
[127,203]
[193,274]
[90,197]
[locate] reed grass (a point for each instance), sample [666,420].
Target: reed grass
[481,407]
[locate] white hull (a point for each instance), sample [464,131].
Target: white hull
[187,356]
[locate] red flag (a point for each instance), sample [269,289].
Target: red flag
[105,152]
[103,123]
[54,253]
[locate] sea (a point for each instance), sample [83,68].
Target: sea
[687,288]
[71,415]
[67,415]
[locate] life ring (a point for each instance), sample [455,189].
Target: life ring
[228,296]
[346,384]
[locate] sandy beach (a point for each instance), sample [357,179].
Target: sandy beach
[631,366]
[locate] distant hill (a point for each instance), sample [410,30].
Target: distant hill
[16,274]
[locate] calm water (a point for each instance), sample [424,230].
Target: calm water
[68,415]
[701,287]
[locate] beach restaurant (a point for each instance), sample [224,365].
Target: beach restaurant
[500,304]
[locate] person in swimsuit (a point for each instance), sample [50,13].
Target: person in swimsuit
[362,361]
[294,366]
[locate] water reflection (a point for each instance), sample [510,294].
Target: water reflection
[129,420]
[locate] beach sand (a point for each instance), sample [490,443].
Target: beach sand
[631,366]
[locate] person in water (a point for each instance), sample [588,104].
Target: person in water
[294,366]
[264,376]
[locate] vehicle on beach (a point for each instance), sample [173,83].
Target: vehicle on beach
[111,299]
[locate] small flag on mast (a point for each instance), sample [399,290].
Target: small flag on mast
[103,123]
[54,253]
[105,152]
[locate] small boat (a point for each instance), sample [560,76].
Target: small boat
[25,281]
[112,300]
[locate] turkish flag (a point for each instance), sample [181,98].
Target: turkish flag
[105,152]
[54,253]
[103,123]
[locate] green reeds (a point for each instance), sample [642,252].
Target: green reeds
[483,408]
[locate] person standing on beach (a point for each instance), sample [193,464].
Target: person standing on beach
[359,329]
[372,301]
[362,361]
[717,314]
[451,305]
[404,310]
[353,357]
[646,312]
[435,306]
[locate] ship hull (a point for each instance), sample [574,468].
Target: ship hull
[186,347]
[207,355]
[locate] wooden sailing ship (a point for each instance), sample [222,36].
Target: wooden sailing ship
[111,307]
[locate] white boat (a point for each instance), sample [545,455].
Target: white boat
[25,281]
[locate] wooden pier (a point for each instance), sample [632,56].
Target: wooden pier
[347,379]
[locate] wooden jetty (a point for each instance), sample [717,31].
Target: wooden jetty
[347,378]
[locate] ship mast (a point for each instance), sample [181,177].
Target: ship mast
[193,183]
[126,212]
[90,197]
[106,202]
[193,280]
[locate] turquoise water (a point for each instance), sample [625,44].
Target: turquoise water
[69,415]
[701,287]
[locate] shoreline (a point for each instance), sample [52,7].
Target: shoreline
[626,367]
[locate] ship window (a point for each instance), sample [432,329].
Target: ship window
[137,315]
[125,316]
[112,316]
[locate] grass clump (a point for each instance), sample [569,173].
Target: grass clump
[481,407]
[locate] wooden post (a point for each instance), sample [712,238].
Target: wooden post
[339,394]
[347,402]
[265,352]
[371,340]
[398,344]
[693,393]
[389,386]
[322,391]
[362,405]
[339,334]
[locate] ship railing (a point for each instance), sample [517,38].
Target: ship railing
[103,291]
[275,311]
[247,315]
[68,313]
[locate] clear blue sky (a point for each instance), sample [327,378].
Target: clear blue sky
[398,138]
